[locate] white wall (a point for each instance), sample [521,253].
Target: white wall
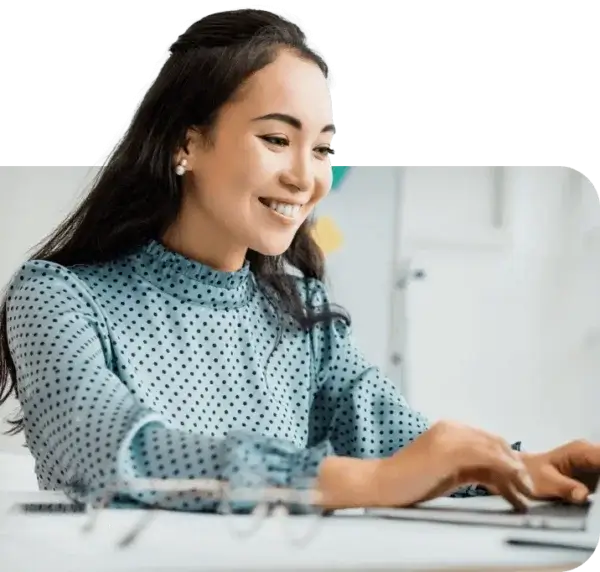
[497,331]
[588,295]
[503,332]
[364,210]
[32,201]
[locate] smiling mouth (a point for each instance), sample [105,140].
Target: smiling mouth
[287,210]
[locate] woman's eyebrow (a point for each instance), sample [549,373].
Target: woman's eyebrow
[291,120]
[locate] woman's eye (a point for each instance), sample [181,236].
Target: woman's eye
[325,151]
[273,140]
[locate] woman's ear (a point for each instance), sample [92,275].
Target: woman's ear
[197,139]
[187,148]
[195,143]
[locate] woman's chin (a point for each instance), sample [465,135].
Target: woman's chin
[273,247]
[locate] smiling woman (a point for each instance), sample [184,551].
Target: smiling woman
[281,162]
[177,324]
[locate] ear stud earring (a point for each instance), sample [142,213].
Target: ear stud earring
[181,168]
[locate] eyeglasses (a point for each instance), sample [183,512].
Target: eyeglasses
[245,508]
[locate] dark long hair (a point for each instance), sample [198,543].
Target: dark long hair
[136,195]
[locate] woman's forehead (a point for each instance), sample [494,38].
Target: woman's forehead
[289,85]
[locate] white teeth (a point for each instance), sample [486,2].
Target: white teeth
[290,211]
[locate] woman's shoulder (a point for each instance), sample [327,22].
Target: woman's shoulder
[43,280]
[40,272]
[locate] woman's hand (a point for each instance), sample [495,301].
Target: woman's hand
[568,473]
[450,455]
[444,458]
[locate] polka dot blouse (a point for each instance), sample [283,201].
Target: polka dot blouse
[157,366]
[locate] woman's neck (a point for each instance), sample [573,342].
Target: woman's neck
[196,238]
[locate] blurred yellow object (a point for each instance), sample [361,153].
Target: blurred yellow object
[327,234]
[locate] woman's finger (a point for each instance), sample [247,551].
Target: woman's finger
[558,486]
[513,496]
[519,476]
[503,480]
[580,455]
[516,470]
[509,478]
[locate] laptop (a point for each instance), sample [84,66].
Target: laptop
[496,511]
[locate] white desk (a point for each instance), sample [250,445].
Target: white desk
[183,541]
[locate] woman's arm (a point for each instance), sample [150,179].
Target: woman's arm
[84,426]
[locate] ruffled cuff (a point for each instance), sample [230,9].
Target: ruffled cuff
[256,462]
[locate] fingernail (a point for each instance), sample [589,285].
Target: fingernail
[579,495]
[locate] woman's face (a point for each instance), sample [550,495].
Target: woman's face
[266,167]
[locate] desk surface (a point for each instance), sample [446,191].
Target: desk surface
[187,541]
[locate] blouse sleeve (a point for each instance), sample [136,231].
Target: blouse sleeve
[89,433]
[361,411]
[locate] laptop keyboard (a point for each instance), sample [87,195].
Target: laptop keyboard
[559,510]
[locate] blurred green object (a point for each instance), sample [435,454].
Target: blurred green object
[338,175]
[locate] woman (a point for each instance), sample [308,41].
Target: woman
[177,326]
